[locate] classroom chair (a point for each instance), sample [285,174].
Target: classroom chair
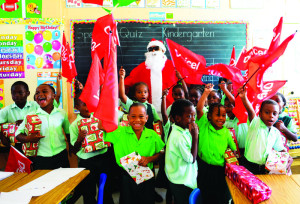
[195,197]
[102,181]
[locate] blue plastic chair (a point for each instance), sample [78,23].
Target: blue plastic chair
[195,197]
[102,181]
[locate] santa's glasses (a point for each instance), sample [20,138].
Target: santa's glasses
[156,48]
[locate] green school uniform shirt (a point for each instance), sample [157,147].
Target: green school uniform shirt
[213,143]
[125,142]
[52,128]
[129,102]
[74,131]
[179,167]
[169,110]
[12,113]
[260,140]
[241,130]
[291,126]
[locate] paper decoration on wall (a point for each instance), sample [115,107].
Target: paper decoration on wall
[11,56]
[153,3]
[2,99]
[43,47]
[183,3]
[17,8]
[168,3]
[138,4]
[50,78]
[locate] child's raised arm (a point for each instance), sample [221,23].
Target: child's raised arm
[58,90]
[122,94]
[185,89]
[223,87]
[243,94]
[288,134]
[201,102]
[163,106]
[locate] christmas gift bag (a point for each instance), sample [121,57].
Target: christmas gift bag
[8,130]
[277,162]
[251,186]
[138,173]
[230,158]
[94,139]
[33,125]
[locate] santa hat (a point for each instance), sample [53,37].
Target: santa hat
[158,43]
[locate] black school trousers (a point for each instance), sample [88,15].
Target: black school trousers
[54,162]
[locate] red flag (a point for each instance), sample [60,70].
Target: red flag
[17,162]
[246,56]
[91,91]
[98,2]
[67,61]
[186,62]
[232,58]
[100,35]
[276,36]
[240,111]
[107,109]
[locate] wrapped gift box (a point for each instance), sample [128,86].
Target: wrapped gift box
[8,130]
[138,173]
[230,158]
[232,131]
[124,120]
[33,125]
[156,128]
[251,186]
[94,139]
[277,162]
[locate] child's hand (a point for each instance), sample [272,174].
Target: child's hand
[82,134]
[280,126]
[178,75]
[143,161]
[34,137]
[18,122]
[194,130]
[122,72]
[5,140]
[242,92]
[165,92]
[208,88]
[59,76]
[223,85]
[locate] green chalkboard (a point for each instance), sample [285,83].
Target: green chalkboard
[213,40]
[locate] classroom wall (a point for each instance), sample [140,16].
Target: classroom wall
[261,23]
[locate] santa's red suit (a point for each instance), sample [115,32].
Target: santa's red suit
[142,74]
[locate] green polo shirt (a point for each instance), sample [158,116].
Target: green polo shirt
[129,102]
[291,126]
[52,128]
[260,140]
[180,168]
[74,131]
[169,110]
[125,142]
[241,130]
[12,113]
[213,143]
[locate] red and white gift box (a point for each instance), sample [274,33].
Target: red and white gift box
[251,186]
[230,158]
[232,131]
[277,162]
[8,130]
[94,138]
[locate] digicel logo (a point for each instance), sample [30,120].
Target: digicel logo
[9,7]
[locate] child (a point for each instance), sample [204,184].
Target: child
[52,151]
[97,161]
[16,112]
[136,138]
[262,136]
[214,139]
[195,94]
[140,93]
[284,123]
[181,151]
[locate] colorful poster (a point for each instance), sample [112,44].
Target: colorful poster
[168,3]
[2,99]
[73,3]
[138,4]
[10,10]
[198,3]
[11,56]
[213,4]
[43,46]
[33,8]
[183,3]
[51,79]
[79,4]
[153,3]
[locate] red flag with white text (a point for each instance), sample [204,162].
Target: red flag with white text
[232,58]
[17,162]
[186,62]
[247,55]
[276,36]
[91,91]
[68,69]
[98,2]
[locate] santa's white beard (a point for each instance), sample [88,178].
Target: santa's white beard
[155,61]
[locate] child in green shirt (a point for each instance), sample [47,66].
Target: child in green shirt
[214,139]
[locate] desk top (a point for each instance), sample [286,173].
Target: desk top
[7,182]
[284,190]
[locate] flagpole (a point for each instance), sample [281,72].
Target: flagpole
[176,83]
[170,54]
[250,78]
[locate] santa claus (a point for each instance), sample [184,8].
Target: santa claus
[157,72]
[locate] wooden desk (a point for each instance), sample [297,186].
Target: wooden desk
[55,195]
[284,190]
[296,178]
[7,182]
